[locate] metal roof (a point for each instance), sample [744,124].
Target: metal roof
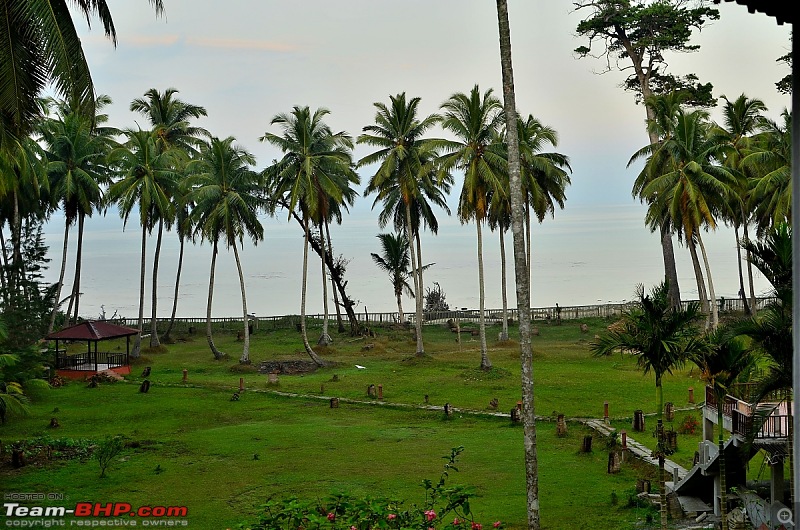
[93,330]
[782,10]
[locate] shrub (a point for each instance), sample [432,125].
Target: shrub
[689,425]
[106,451]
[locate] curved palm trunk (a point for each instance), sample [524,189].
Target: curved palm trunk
[166,337]
[723,483]
[245,358]
[698,275]
[303,330]
[417,287]
[714,308]
[76,283]
[504,332]
[749,269]
[742,294]
[339,320]
[60,284]
[137,342]
[324,338]
[670,270]
[209,337]
[4,253]
[154,342]
[398,293]
[521,272]
[486,364]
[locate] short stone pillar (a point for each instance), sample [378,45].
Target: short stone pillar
[185,374]
[241,384]
[448,410]
[372,391]
[605,411]
[624,436]
[380,392]
[586,445]
[638,420]
[561,426]
[334,403]
[669,411]
[272,378]
[516,417]
[691,395]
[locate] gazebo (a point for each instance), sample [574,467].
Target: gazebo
[92,361]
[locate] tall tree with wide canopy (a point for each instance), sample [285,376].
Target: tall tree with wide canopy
[662,337]
[226,196]
[39,46]
[636,36]
[76,151]
[315,164]
[169,117]
[521,271]
[405,159]
[474,119]
[770,166]
[147,185]
[395,261]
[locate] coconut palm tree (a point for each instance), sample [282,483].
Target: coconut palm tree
[169,117]
[40,47]
[147,185]
[521,271]
[474,119]
[394,260]
[311,174]
[742,118]
[403,177]
[724,362]
[769,164]
[662,337]
[688,186]
[226,198]
[76,150]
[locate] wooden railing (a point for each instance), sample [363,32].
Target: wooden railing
[774,426]
[89,361]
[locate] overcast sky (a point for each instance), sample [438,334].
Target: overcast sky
[247,60]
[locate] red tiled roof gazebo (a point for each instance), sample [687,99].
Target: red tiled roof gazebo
[92,361]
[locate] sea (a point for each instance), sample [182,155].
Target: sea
[587,254]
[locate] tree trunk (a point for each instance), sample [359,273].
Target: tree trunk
[742,293]
[324,338]
[521,271]
[714,308]
[209,336]
[698,275]
[5,270]
[504,332]
[486,364]
[723,482]
[528,235]
[166,337]
[303,331]
[670,270]
[398,293]
[339,321]
[417,286]
[60,284]
[76,283]
[154,343]
[137,342]
[245,358]
[749,270]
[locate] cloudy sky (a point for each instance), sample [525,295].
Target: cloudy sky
[246,61]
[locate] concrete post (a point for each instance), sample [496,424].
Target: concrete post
[776,483]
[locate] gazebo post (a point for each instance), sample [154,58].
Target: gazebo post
[95,356]
[127,350]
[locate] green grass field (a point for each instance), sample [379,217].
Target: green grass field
[190,445]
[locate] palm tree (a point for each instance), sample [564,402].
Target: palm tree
[662,338]
[403,177]
[723,362]
[742,118]
[688,186]
[39,47]
[395,261]
[185,230]
[769,164]
[312,172]
[226,198]
[521,271]
[544,174]
[76,149]
[474,119]
[148,183]
[169,117]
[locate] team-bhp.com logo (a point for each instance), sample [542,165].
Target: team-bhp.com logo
[93,509]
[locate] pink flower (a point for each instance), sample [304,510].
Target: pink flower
[456,522]
[391,516]
[477,526]
[331,516]
[497,524]
[430,515]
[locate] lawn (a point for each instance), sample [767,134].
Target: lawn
[191,445]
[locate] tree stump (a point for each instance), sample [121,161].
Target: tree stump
[334,403]
[146,372]
[145,386]
[586,445]
[614,462]
[494,403]
[54,423]
[448,410]
[561,426]
[669,411]
[672,439]
[535,332]
[638,420]
[372,391]
[584,328]
[642,485]
[516,417]
[17,458]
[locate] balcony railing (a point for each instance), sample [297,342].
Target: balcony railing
[740,414]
